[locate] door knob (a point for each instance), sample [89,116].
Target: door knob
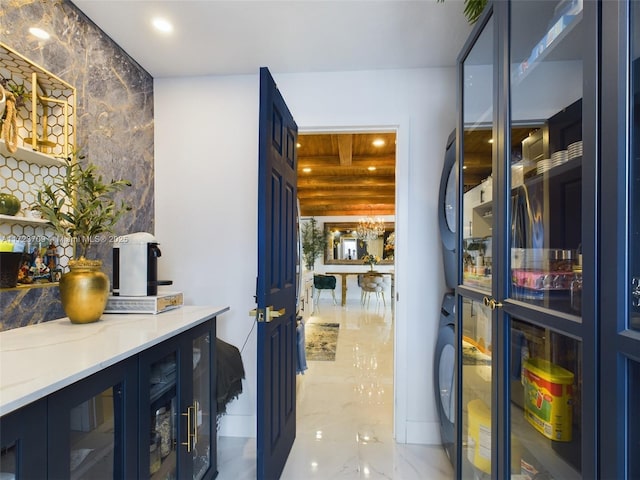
[275,313]
[492,303]
[267,314]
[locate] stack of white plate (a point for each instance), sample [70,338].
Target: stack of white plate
[559,157]
[575,150]
[543,165]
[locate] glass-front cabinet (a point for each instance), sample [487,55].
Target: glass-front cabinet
[619,307]
[475,340]
[527,357]
[150,415]
[178,398]
[90,424]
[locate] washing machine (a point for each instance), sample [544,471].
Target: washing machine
[447,212]
[444,374]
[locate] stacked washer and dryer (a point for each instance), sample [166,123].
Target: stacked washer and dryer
[445,352]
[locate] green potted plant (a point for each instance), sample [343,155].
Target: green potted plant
[80,206]
[472,9]
[313,243]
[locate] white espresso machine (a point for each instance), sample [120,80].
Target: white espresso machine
[135,277]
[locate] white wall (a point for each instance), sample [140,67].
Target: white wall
[206,177]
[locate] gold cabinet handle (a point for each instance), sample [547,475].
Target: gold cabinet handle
[195,421]
[188,414]
[491,303]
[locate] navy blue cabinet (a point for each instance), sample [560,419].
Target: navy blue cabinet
[150,415]
[92,426]
[178,408]
[23,442]
[548,337]
[527,338]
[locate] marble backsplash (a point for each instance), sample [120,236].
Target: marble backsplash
[114,123]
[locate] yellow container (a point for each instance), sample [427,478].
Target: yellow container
[548,398]
[479,438]
[479,435]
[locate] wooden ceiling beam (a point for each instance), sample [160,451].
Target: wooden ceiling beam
[345,149]
[354,173]
[348,199]
[355,192]
[354,210]
[330,160]
[336,181]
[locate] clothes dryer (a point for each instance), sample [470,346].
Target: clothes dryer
[444,374]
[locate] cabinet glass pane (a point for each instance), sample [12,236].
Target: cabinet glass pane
[546,403]
[546,153]
[476,390]
[93,437]
[477,218]
[633,420]
[202,403]
[634,167]
[163,401]
[8,455]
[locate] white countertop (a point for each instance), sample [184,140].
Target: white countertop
[38,360]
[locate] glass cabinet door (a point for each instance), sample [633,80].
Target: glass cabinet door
[179,418]
[203,439]
[545,237]
[546,73]
[475,346]
[93,444]
[545,401]
[162,414]
[476,391]
[90,423]
[623,337]
[477,207]
[23,442]
[632,379]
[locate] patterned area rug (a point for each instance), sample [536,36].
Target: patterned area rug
[321,340]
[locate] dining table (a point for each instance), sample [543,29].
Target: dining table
[345,274]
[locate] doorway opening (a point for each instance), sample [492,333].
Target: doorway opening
[344,176]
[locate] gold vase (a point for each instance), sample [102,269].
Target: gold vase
[84,291]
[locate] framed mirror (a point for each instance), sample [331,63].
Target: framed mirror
[344,248]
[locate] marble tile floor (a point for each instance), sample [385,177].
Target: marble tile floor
[345,411]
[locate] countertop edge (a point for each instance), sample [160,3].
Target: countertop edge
[80,350]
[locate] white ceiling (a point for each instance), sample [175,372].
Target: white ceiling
[224,37]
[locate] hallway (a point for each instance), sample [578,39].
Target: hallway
[345,411]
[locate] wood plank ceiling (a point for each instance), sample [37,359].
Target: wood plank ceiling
[340,183]
[346,174]
[478,153]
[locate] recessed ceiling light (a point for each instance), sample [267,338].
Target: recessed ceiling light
[39,33]
[464,167]
[371,168]
[162,25]
[298,145]
[378,142]
[490,140]
[306,170]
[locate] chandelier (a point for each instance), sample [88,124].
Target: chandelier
[369,228]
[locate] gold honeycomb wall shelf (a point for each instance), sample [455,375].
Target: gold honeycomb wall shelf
[46,121]
[46,139]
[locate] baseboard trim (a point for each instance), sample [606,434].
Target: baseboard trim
[423,433]
[237,426]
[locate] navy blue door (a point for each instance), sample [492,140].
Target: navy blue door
[276,285]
